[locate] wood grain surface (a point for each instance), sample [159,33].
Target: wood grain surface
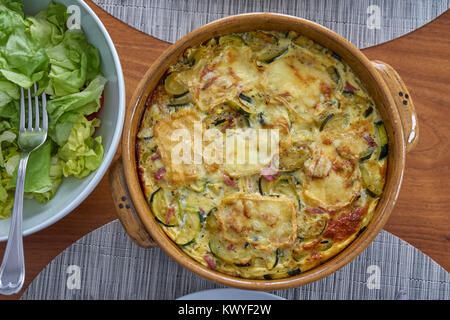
[420,217]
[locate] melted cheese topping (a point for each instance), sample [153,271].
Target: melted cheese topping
[269,219]
[265,222]
[302,81]
[169,132]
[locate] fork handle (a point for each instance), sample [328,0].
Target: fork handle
[12,270]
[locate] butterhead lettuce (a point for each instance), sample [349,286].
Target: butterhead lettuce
[81,154]
[65,111]
[41,49]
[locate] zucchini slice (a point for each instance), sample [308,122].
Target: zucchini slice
[173,86]
[291,35]
[294,272]
[211,223]
[246,100]
[293,158]
[197,186]
[366,156]
[303,42]
[160,209]
[274,276]
[193,55]
[334,121]
[334,74]
[181,100]
[259,40]
[370,193]
[261,118]
[272,53]
[239,255]
[311,227]
[272,259]
[324,245]
[284,185]
[247,104]
[359,99]
[189,228]
[267,259]
[336,56]
[323,119]
[372,180]
[383,151]
[382,135]
[231,39]
[368,112]
[265,186]
[265,36]
[244,106]
[325,224]
[299,254]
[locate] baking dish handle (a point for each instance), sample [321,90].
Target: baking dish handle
[403,101]
[125,209]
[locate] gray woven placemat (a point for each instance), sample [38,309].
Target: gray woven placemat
[356,20]
[110,266]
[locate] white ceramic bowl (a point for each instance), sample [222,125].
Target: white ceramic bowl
[73,191]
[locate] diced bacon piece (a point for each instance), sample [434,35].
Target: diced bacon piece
[210,261]
[349,87]
[156,156]
[170,213]
[160,173]
[269,173]
[228,181]
[369,140]
[314,210]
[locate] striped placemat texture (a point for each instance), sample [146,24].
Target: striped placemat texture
[169,20]
[112,267]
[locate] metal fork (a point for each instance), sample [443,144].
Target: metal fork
[12,270]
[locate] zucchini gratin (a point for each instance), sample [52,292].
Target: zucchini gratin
[263,221]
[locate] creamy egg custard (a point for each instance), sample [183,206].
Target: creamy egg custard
[301,204]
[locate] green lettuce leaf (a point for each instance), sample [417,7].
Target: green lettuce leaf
[45,32]
[6,196]
[56,176]
[7,136]
[67,68]
[8,157]
[8,92]
[74,62]
[49,25]
[37,178]
[56,14]
[11,17]
[82,153]
[10,115]
[22,60]
[65,111]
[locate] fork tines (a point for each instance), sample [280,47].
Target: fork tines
[37,114]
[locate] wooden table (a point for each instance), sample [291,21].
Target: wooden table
[420,217]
